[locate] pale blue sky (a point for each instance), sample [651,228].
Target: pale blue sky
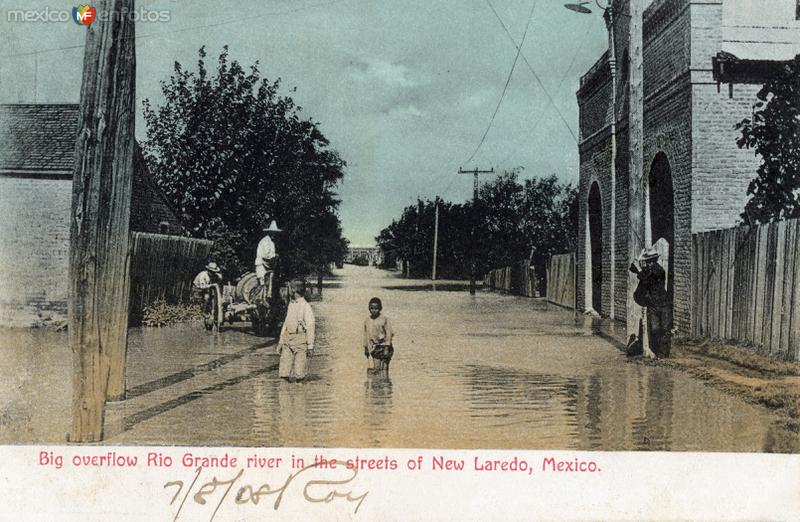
[404,89]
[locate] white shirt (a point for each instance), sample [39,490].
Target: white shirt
[299,317]
[203,280]
[265,251]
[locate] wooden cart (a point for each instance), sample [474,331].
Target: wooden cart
[245,301]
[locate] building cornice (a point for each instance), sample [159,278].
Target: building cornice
[660,15]
[596,77]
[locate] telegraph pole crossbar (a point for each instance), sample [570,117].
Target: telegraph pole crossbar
[475,173]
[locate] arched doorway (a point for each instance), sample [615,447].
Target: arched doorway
[662,211]
[596,246]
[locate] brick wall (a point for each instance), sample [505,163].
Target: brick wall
[667,130]
[621,239]
[594,99]
[34,250]
[34,243]
[722,171]
[595,166]
[595,112]
[687,118]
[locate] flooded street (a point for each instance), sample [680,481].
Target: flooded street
[489,371]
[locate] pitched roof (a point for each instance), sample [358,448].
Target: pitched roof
[38,137]
[38,141]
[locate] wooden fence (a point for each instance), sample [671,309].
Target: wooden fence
[163,267]
[746,287]
[561,280]
[522,279]
[518,279]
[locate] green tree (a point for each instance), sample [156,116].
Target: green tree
[409,240]
[514,222]
[774,133]
[231,153]
[525,220]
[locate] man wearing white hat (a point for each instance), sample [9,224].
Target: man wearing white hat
[651,293]
[204,280]
[266,254]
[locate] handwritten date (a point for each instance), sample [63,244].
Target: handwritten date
[315,490]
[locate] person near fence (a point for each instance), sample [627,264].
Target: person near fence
[651,292]
[378,335]
[204,281]
[266,254]
[296,341]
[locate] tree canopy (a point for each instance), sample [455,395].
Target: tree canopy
[774,133]
[231,153]
[515,221]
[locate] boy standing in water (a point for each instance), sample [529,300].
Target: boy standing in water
[378,336]
[296,341]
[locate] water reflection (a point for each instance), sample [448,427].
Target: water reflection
[378,404]
[493,371]
[635,409]
[653,429]
[594,409]
[291,413]
[500,392]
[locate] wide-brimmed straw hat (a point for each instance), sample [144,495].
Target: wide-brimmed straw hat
[273,227]
[213,267]
[648,254]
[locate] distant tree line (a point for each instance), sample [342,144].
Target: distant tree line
[231,154]
[516,220]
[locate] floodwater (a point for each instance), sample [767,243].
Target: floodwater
[489,371]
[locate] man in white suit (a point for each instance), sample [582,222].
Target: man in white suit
[266,255]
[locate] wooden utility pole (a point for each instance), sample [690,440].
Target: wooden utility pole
[435,238]
[636,180]
[472,268]
[101,193]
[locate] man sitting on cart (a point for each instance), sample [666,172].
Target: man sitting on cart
[266,256]
[204,281]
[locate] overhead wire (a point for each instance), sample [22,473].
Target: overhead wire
[537,119]
[505,87]
[533,71]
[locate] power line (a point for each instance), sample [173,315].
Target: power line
[535,75]
[505,87]
[537,119]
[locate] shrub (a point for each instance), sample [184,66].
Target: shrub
[160,313]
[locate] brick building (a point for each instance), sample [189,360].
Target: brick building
[695,177]
[37,146]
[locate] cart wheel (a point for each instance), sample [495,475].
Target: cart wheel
[213,315]
[208,316]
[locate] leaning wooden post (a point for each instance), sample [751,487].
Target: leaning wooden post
[101,193]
